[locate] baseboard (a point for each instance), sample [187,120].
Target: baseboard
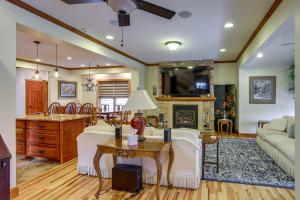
[14,192]
[247,135]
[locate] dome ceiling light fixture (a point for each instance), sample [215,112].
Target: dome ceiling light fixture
[173,45]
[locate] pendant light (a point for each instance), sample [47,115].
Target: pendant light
[90,85]
[56,71]
[37,72]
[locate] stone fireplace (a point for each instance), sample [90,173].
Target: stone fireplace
[185,116]
[202,106]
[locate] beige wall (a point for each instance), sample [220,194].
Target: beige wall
[249,114]
[26,71]
[297,63]
[225,73]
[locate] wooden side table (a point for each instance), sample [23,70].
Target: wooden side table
[147,148]
[228,123]
[208,139]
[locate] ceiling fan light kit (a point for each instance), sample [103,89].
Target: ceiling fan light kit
[173,45]
[125,7]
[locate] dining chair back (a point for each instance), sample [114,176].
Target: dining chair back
[54,108]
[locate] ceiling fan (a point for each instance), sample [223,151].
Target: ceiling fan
[125,7]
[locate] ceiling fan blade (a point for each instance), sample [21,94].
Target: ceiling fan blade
[155,9]
[81,1]
[124,20]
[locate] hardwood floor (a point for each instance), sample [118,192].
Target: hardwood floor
[63,183]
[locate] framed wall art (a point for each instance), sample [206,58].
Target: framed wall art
[262,89]
[67,89]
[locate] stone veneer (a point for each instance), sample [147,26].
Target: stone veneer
[205,113]
[205,109]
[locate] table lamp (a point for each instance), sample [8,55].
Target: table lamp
[139,100]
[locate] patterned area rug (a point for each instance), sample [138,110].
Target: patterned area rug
[243,161]
[28,168]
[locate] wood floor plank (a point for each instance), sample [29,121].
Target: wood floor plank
[64,183]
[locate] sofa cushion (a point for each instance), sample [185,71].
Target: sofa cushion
[290,122]
[292,131]
[277,124]
[262,132]
[287,148]
[276,139]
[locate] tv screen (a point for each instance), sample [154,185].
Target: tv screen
[186,81]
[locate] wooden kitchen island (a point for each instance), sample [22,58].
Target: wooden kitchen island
[52,137]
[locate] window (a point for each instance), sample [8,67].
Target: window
[113,94]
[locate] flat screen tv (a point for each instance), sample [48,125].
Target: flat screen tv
[186,81]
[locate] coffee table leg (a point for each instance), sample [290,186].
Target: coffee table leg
[171,159]
[159,172]
[98,171]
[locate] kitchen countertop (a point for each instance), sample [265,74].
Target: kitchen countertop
[52,117]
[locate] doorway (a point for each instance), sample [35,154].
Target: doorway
[36,96]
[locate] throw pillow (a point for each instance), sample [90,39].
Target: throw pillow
[277,124]
[292,131]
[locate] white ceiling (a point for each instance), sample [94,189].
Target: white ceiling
[275,51]
[202,34]
[27,49]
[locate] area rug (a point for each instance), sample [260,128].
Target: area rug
[243,161]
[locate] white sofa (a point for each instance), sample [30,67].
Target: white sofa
[186,169]
[275,141]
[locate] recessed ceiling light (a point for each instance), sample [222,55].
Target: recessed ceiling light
[82,65]
[176,69]
[69,58]
[259,55]
[228,25]
[173,45]
[109,37]
[222,50]
[190,67]
[38,60]
[107,64]
[185,14]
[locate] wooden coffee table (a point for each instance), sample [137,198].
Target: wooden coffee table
[209,139]
[147,148]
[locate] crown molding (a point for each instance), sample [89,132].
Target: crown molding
[266,18]
[58,22]
[40,63]
[69,68]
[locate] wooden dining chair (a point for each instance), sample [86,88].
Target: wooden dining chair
[71,108]
[104,108]
[54,108]
[118,108]
[87,109]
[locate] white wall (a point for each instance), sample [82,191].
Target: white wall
[8,86]
[225,73]
[297,123]
[21,75]
[249,114]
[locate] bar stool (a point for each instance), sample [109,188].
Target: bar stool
[228,123]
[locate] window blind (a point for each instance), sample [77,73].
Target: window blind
[113,89]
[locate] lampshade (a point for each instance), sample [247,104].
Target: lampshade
[139,100]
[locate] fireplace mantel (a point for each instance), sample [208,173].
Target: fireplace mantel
[168,98]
